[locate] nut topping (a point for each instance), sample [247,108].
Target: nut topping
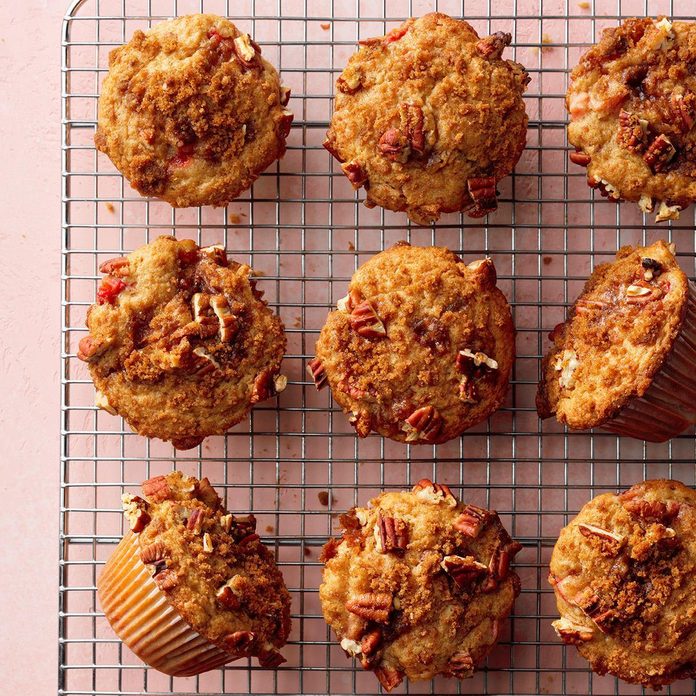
[566,363]
[652,268]
[207,543]
[645,203]
[472,520]
[166,579]
[580,158]
[355,173]
[227,597]
[245,50]
[155,555]
[226,522]
[650,511]
[270,658]
[467,390]
[639,294]
[612,542]
[391,534]
[492,47]
[134,512]
[365,321]
[483,194]
[394,35]
[349,302]
[461,665]
[667,212]
[425,489]
[393,145]
[205,362]
[316,371]
[284,95]
[102,401]
[499,564]
[389,677]
[349,82]
[240,642]
[371,642]
[120,266]
[633,132]
[371,606]
[660,153]
[157,489]
[412,125]
[464,570]
[478,357]
[228,321]
[195,520]
[570,633]
[683,106]
[90,348]
[424,423]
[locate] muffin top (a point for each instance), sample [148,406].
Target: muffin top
[419,584]
[624,574]
[617,335]
[211,566]
[632,104]
[421,348]
[429,117]
[180,343]
[190,112]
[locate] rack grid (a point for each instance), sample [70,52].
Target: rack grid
[296,462]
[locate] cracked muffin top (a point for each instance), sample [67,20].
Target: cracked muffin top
[429,117]
[632,104]
[421,348]
[191,113]
[624,574]
[180,342]
[617,336]
[419,584]
[211,566]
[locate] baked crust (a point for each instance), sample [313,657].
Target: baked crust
[419,584]
[190,112]
[411,383]
[429,118]
[624,574]
[632,104]
[612,345]
[180,343]
[211,566]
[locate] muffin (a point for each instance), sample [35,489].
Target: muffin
[624,359]
[421,348]
[191,587]
[191,113]
[419,584]
[180,342]
[632,104]
[429,118]
[624,575]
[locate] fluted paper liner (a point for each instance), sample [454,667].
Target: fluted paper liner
[146,622]
[668,407]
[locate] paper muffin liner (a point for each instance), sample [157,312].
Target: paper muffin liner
[146,622]
[668,407]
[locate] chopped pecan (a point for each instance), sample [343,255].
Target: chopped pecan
[208,494]
[229,324]
[461,665]
[285,123]
[270,658]
[153,554]
[591,604]
[391,534]
[316,371]
[240,643]
[652,268]
[350,81]
[424,423]
[467,390]
[393,145]
[330,146]
[226,521]
[120,266]
[683,106]
[249,538]
[207,543]
[570,633]
[204,362]
[464,570]
[660,153]
[226,596]
[134,512]
[195,520]
[371,606]
[667,212]
[483,194]
[611,542]
[389,677]
[157,489]
[499,564]
[245,50]
[433,334]
[166,579]
[633,132]
[412,122]
[581,158]
[472,520]
[349,302]
[479,358]
[492,47]
[365,321]
[394,35]
[352,647]
[371,642]
[110,288]
[650,511]
[90,348]
[637,293]
[434,492]
[264,386]
[284,95]
[355,173]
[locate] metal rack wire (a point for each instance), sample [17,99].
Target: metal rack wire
[296,463]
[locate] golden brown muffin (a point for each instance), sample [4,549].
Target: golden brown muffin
[624,574]
[632,104]
[180,342]
[419,584]
[624,359]
[421,348]
[190,586]
[429,118]
[191,113]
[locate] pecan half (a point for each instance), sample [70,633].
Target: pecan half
[195,520]
[483,194]
[134,512]
[472,520]
[464,570]
[355,172]
[424,423]
[245,50]
[425,489]
[633,132]
[391,534]
[660,153]
[204,362]
[611,542]
[316,371]
[581,158]
[683,107]
[389,677]
[153,554]
[229,324]
[166,579]
[120,266]
[90,348]
[499,564]
[371,642]
[240,643]
[371,606]
[591,605]
[651,511]
[412,121]
[157,489]
[393,145]
[570,633]
[264,386]
[492,47]
[365,321]
[461,665]
[208,494]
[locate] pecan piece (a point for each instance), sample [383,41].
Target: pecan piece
[204,363]
[467,390]
[109,290]
[229,325]
[472,520]
[611,542]
[492,47]
[461,665]
[349,302]
[90,348]
[570,633]
[227,597]
[412,121]
[660,153]
[316,371]
[424,423]
[245,50]
[499,564]
[393,145]
[284,95]
[166,579]
[365,321]
[120,266]
[683,106]
[483,194]
[371,606]
[264,386]
[371,642]
[153,554]
[479,358]
[270,658]
[591,605]
[157,489]
[330,146]
[355,172]
[651,511]
[637,293]
[391,534]
[195,520]
[633,132]
[285,123]
[134,512]
[207,493]
[425,489]
[394,35]
[240,643]
[389,677]
[464,570]
[581,158]
[349,82]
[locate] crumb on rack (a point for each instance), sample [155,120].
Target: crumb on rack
[324,498]
[307,551]
[547,260]
[584,5]
[270,529]
[110,207]
[351,246]
[234,218]
[325,26]
[545,48]
[297,324]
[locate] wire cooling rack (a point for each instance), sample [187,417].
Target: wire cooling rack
[296,463]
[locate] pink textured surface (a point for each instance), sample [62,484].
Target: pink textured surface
[29,347]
